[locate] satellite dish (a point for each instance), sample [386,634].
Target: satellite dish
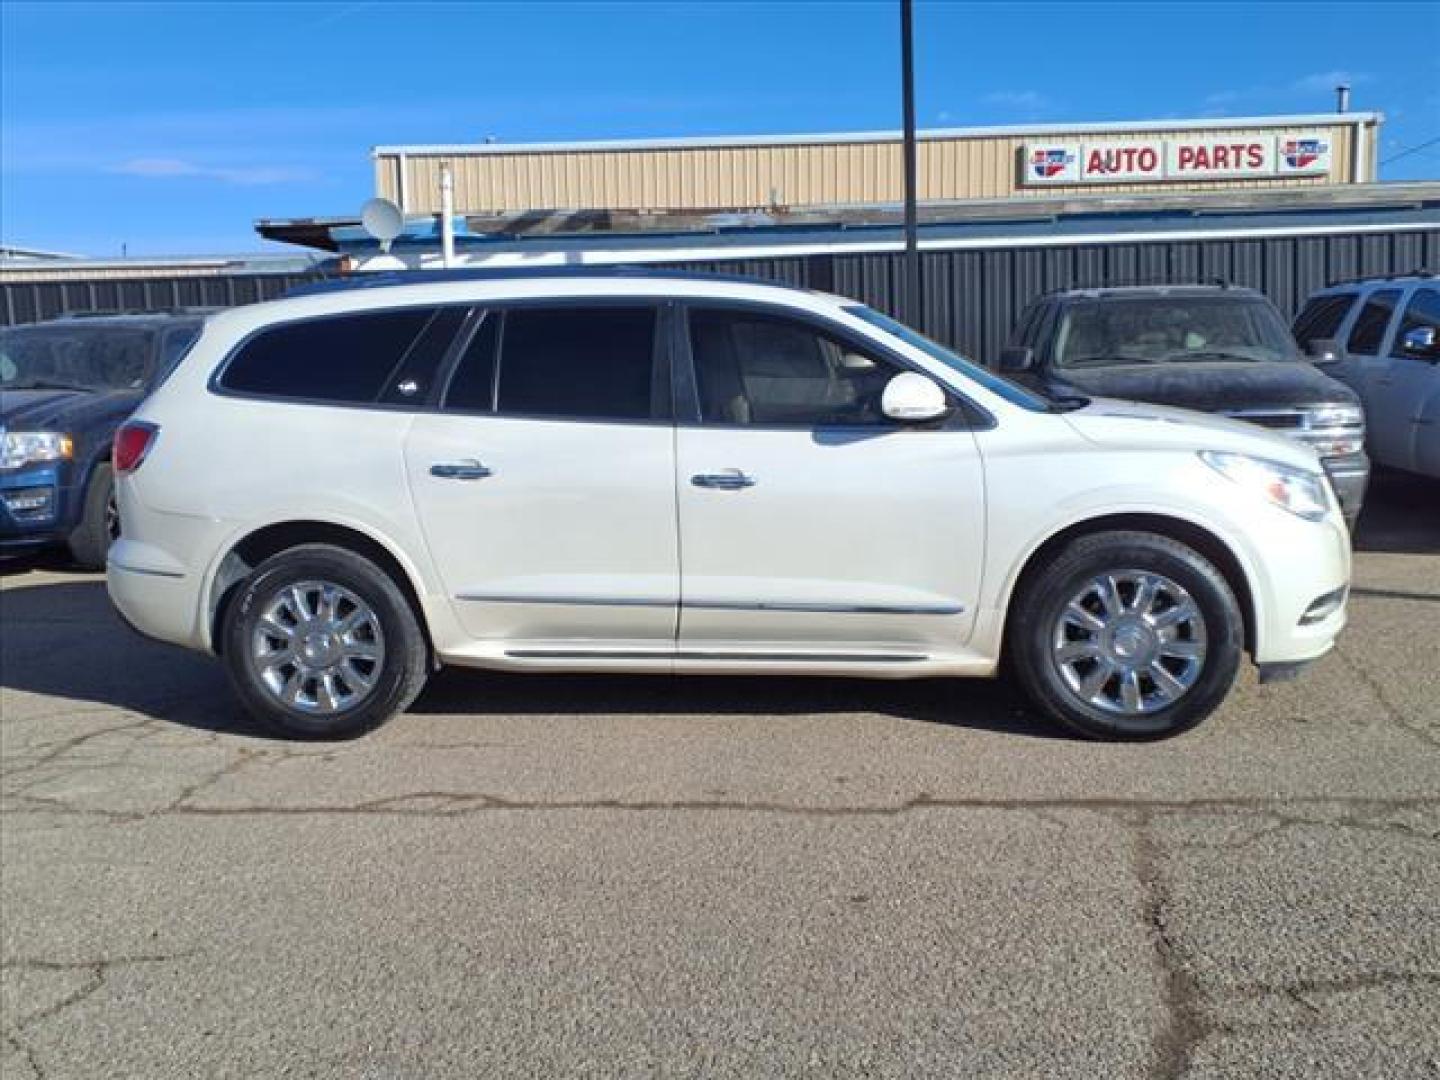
[383,220]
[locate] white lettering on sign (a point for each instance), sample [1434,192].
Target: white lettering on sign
[1177,160]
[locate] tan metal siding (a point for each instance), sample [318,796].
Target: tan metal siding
[795,174]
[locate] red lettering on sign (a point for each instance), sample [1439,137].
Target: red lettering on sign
[1187,157]
[1149,160]
[1096,164]
[1255,156]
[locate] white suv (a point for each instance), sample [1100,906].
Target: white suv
[339,491]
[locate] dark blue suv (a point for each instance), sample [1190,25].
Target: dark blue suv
[65,386]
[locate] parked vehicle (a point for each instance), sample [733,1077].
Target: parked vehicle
[1214,348]
[338,491]
[1383,338]
[65,386]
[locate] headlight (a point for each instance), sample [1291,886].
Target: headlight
[1304,494]
[1335,430]
[1328,416]
[34,447]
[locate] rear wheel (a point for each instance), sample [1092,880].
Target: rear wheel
[99,524]
[1127,635]
[320,643]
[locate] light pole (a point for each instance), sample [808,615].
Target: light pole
[912,305]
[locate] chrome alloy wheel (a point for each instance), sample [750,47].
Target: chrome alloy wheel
[318,647]
[1130,642]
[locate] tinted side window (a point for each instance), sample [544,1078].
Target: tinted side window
[1369,329]
[1422,311]
[472,387]
[1321,319]
[585,363]
[760,369]
[342,358]
[411,380]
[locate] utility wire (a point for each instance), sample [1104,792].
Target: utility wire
[1412,150]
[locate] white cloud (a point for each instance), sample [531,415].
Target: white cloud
[163,168]
[1016,99]
[1321,82]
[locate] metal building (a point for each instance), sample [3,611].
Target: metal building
[849,169]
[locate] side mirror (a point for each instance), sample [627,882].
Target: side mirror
[1015,359]
[1324,351]
[1420,343]
[912,398]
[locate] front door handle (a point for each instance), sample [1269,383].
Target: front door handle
[728,480]
[460,470]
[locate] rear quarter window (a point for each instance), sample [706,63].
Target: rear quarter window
[343,359]
[1368,332]
[1322,318]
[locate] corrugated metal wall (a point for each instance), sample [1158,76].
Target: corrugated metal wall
[793,174]
[32,301]
[971,298]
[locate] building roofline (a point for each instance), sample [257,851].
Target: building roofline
[1108,127]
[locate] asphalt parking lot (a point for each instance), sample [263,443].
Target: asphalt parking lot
[721,877]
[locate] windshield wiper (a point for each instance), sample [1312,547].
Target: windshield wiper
[1211,355]
[1107,360]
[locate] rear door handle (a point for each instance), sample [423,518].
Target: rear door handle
[728,480]
[460,470]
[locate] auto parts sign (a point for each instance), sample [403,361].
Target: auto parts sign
[1176,160]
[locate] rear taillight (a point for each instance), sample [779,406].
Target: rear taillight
[132,443]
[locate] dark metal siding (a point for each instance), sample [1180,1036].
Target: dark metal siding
[972,298]
[24,302]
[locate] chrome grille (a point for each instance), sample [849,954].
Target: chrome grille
[1316,424]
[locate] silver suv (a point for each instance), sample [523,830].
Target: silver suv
[1386,346]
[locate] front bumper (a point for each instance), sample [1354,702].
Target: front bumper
[1349,476]
[36,508]
[1300,589]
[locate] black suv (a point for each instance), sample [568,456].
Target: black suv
[65,386]
[1212,348]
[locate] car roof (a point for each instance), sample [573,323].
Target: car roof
[1415,277]
[421,288]
[398,278]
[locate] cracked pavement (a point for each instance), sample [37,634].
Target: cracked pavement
[722,877]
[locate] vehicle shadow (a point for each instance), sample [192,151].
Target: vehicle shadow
[1401,515]
[65,641]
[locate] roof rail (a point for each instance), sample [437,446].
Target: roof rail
[1147,283]
[1422,272]
[395,278]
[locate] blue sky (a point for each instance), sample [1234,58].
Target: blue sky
[170,127]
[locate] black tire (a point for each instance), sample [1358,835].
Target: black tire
[398,677]
[90,542]
[1037,611]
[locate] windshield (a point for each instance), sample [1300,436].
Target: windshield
[74,358]
[1004,388]
[1171,329]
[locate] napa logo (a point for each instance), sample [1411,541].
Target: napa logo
[1049,162]
[1303,153]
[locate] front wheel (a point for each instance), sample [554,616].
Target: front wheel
[319,642]
[99,526]
[1127,635]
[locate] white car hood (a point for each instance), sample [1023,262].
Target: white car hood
[1129,424]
